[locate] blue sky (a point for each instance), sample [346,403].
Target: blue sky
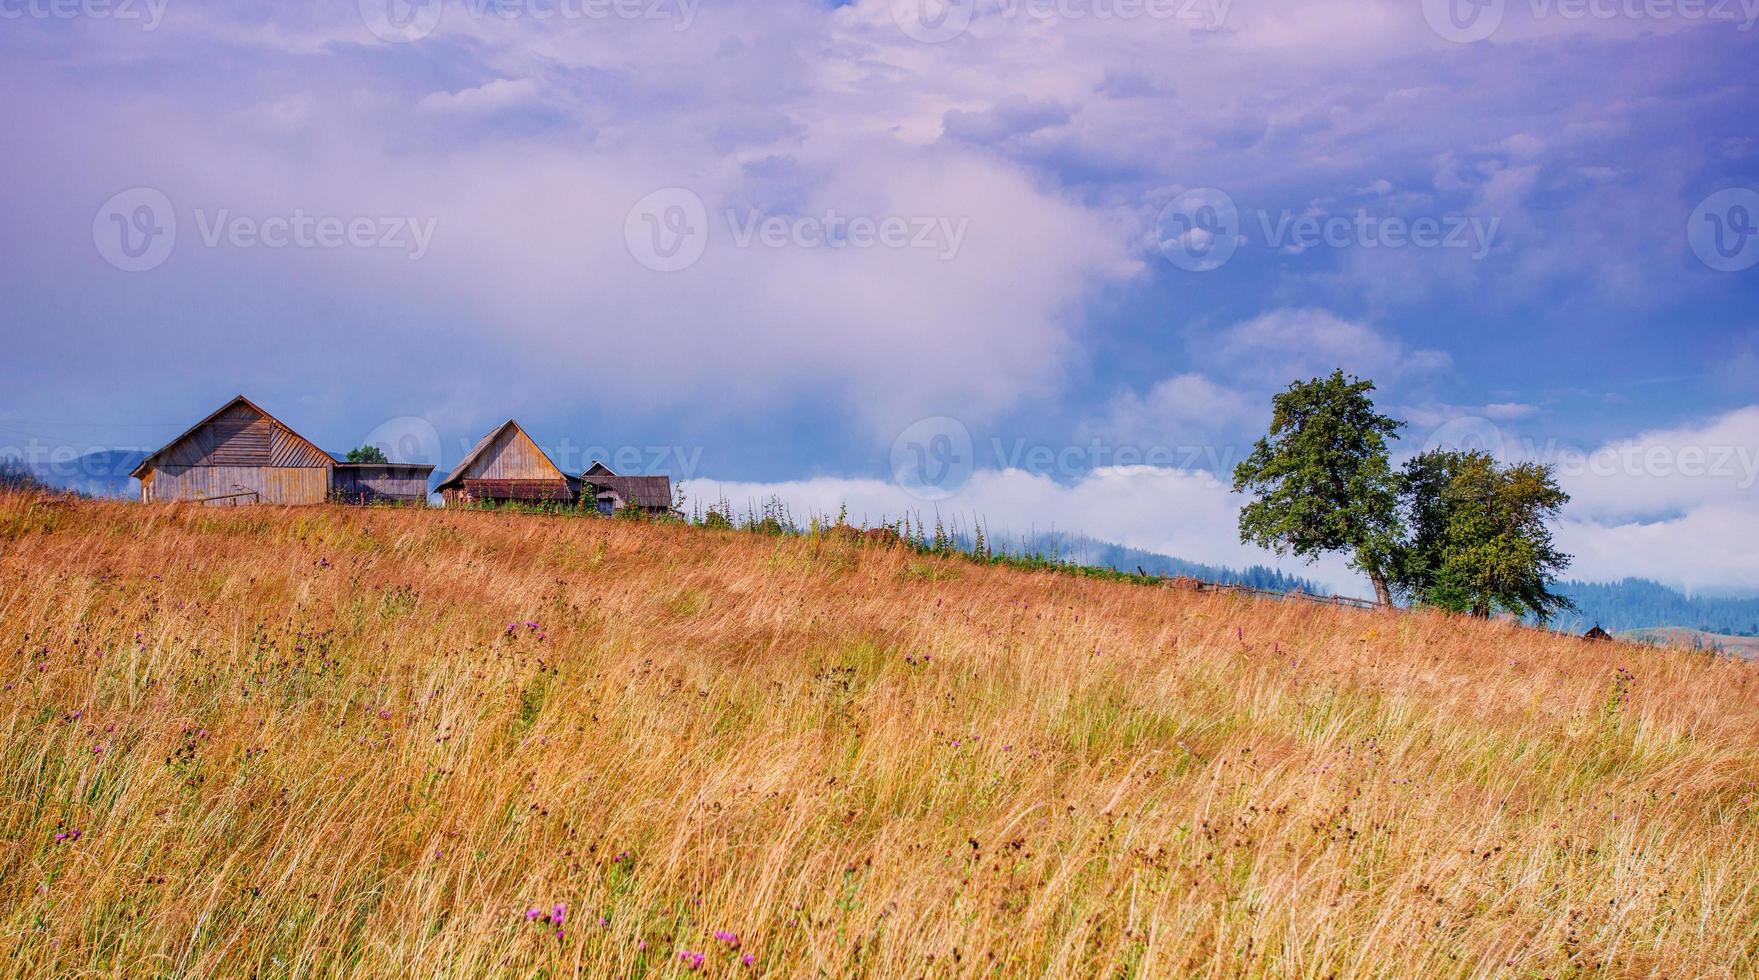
[799,241]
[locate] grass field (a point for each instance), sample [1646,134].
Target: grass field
[335,742]
[1691,639]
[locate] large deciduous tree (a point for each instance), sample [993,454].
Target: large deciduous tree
[1479,538]
[1322,481]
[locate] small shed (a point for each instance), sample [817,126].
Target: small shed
[507,466]
[238,455]
[369,483]
[1597,634]
[610,492]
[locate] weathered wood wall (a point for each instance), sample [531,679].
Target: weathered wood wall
[365,484]
[271,484]
[240,436]
[513,456]
[240,451]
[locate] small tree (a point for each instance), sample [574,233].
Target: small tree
[1480,539]
[367,454]
[1323,481]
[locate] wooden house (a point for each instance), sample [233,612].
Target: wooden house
[507,466]
[243,455]
[610,492]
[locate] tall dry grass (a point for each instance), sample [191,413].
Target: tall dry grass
[323,742]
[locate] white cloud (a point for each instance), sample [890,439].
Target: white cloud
[1709,547]
[1288,344]
[1182,513]
[502,93]
[1679,505]
[1178,410]
[1666,473]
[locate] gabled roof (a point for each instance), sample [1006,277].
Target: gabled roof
[147,464]
[598,469]
[482,445]
[640,491]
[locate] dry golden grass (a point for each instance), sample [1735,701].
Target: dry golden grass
[307,743]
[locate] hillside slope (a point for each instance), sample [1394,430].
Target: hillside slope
[375,743]
[1691,639]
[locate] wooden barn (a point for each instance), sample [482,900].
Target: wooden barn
[610,492]
[368,483]
[507,466]
[243,455]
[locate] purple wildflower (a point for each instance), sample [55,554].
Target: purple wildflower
[559,913]
[531,914]
[730,938]
[691,959]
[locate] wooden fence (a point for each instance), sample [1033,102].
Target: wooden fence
[1199,585]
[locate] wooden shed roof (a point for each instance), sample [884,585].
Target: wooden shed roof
[146,464]
[456,477]
[639,491]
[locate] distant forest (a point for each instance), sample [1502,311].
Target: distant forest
[1635,603]
[1104,554]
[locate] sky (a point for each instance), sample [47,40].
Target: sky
[1042,262]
